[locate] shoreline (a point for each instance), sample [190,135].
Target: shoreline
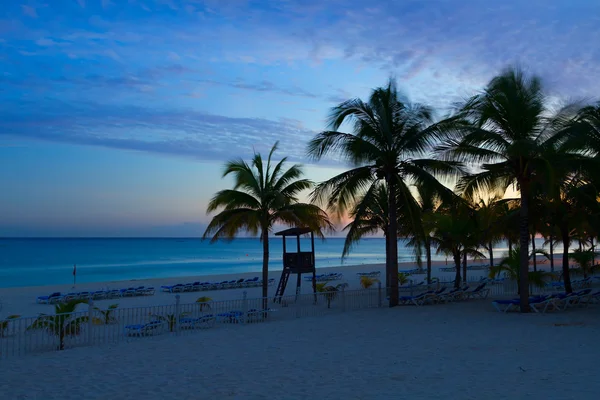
[22,300]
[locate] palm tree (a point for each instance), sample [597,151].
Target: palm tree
[388,136]
[510,265]
[108,315]
[330,292]
[453,236]
[507,131]
[63,323]
[263,195]
[4,324]
[585,260]
[488,215]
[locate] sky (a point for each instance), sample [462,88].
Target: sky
[116,116]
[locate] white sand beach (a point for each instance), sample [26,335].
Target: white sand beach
[447,351]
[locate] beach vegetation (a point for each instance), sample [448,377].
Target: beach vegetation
[511,135]
[107,316]
[403,278]
[510,267]
[203,302]
[65,322]
[584,259]
[367,282]
[5,323]
[329,291]
[264,193]
[388,135]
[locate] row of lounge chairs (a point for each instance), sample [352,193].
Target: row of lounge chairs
[575,284]
[476,267]
[445,295]
[372,274]
[200,286]
[158,326]
[334,276]
[550,302]
[58,297]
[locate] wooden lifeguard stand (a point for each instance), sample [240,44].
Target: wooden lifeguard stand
[299,262]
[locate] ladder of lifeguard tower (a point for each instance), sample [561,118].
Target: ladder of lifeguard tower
[285,275]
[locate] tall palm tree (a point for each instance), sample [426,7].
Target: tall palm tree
[507,131]
[262,196]
[585,260]
[388,135]
[453,235]
[490,232]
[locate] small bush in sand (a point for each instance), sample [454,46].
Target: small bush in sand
[330,292]
[4,324]
[366,281]
[170,319]
[62,324]
[203,302]
[108,315]
[402,278]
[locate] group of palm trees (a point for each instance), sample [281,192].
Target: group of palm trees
[403,164]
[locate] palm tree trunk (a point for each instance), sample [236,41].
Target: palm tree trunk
[456,256]
[265,268]
[391,259]
[564,231]
[491,255]
[524,244]
[533,250]
[464,266]
[428,255]
[593,251]
[551,253]
[509,246]
[388,279]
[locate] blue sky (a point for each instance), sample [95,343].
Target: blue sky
[116,116]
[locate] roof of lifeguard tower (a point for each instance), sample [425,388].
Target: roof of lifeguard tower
[293,232]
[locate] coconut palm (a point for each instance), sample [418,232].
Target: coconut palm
[369,216]
[63,323]
[263,195]
[507,132]
[511,266]
[585,260]
[108,315]
[330,292]
[488,214]
[454,235]
[388,135]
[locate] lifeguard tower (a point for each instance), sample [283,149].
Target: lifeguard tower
[299,262]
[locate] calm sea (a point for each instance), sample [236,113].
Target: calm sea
[32,262]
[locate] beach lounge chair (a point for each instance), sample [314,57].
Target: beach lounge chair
[506,305]
[541,304]
[234,317]
[419,299]
[48,299]
[149,291]
[204,321]
[256,315]
[151,328]
[453,294]
[479,292]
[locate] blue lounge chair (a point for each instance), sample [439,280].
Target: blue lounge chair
[52,298]
[204,321]
[419,299]
[480,292]
[234,317]
[151,328]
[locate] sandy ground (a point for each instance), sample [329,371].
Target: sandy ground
[21,301]
[448,351]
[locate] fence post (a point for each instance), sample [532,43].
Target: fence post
[245,306]
[90,321]
[379,300]
[177,312]
[343,299]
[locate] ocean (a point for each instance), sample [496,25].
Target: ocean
[34,262]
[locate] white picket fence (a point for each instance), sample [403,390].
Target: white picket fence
[91,327]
